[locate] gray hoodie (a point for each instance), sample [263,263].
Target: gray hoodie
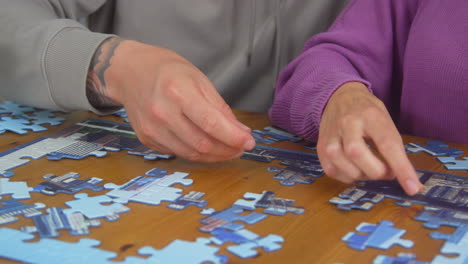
[241,45]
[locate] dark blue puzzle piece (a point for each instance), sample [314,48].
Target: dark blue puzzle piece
[454,164]
[67,183]
[442,217]
[306,167]
[382,236]
[434,148]
[402,258]
[290,176]
[267,200]
[271,135]
[354,198]
[226,217]
[441,190]
[47,226]
[192,198]
[11,208]
[268,154]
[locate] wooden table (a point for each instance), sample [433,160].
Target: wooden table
[314,237]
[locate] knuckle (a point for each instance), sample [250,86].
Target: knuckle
[353,149]
[347,121]
[204,145]
[158,115]
[332,150]
[209,124]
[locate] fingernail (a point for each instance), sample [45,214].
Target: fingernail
[413,187]
[250,144]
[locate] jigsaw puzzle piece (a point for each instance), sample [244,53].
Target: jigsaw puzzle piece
[454,164]
[50,251]
[267,200]
[268,154]
[456,243]
[226,217]
[44,117]
[11,208]
[179,251]
[92,207]
[17,190]
[433,148]
[67,183]
[18,125]
[271,135]
[47,226]
[289,176]
[269,243]
[166,180]
[11,108]
[382,236]
[354,198]
[442,217]
[402,258]
[77,150]
[192,198]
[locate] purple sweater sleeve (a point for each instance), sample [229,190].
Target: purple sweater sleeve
[362,45]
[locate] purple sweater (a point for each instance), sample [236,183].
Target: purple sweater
[411,54]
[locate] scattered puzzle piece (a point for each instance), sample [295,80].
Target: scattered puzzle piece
[290,176]
[456,243]
[267,200]
[269,243]
[11,208]
[354,198]
[179,251]
[92,207]
[50,251]
[207,211]
[150,190]
[18,125]
[67,183]
[18,190]
[402,258]
[192,198]
[11,108]
[44,117]
[434,148]
[226,217]
[271,135]
[454,164]
[443,217]
[48,225]
[382,236]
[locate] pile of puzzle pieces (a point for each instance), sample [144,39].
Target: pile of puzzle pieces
[19,119]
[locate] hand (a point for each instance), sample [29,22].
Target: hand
[172,105]
[352,116]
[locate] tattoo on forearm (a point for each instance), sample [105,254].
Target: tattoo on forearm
[96,87]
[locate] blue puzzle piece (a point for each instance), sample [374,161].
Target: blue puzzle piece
[267,200]
[18,190]
[434,148]
[271,135]
[77,150]
[290,176]
[456,243]
[221,236]
[18,125]
[44,117]
[192,198]
[382,236]
[268,154]
[47,226]
[402,258]
[11,108]
[354,198]
[122,113]
[269,243]
[11,208]
[179,251]
[50,251]
[226,217]
[92,207]
[67,183]
[443,217]
[150,190]
[454,164]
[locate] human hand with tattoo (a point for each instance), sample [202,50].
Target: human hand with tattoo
[171,104]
